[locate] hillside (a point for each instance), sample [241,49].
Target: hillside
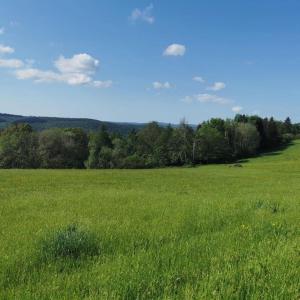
[211,232]
[41,123]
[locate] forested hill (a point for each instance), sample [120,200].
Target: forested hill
[42,123]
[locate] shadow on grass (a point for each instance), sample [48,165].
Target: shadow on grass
[274,152]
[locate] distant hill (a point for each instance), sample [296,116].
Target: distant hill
[42,123]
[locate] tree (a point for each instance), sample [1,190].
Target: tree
[211,145]
[246,139]
[181,144]
[97,141]
[288,127]
[272,134]
[51,149]
[75,142]
[105,158]
[18,147]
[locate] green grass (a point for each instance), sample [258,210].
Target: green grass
[210,232]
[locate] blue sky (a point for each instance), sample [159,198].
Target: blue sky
[141,60]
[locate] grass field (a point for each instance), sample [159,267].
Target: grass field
[210,232]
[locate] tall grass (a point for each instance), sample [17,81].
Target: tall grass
[211,232]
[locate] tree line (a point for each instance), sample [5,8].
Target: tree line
[213,141]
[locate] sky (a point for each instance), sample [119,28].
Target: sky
[139,61]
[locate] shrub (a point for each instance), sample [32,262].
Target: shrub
[287,138]
[134,162]
[71,242]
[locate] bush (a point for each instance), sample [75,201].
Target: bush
[70,242]
[134,162]
[287,138]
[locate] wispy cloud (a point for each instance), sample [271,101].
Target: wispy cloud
[207,98]
[144,15]
[102,84]
[2,30]
[212,98]
[161,85]
[11,63]
[217,86]
[198,79]
[175,50]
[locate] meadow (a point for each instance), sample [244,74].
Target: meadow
[209,232]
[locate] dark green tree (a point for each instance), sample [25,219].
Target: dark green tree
[18,147]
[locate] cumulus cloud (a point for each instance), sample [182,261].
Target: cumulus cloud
[236,109]
[2,30]
[144,15]
[161,85]
[217,86]
[6,49]
[77,70]
[175,50]
[11,63]
[198,79]
[211,98]
[79,63]
[50,76]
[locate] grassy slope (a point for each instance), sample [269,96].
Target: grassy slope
[211,232]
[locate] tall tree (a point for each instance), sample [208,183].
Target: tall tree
[246,139]
[211,145]
[18,147]
[97,141]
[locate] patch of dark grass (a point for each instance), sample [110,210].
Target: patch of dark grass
[275,208]
[272,207]
[259,204]
[70,242]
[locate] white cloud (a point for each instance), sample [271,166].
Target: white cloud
[143,15]
[6,49]
[102,84]
[175,50]
[199,79]
[217,86]
[37,75]
[161,85]
[236,109]
[211,98]
[77,70]
[206,98]
[2,30]
[50,76]
[11,63]
[79,63]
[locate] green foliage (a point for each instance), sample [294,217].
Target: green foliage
[99,140]
[211,145]
[246,139]
[71,242]
[18,147]
[216,140]
[63,148]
